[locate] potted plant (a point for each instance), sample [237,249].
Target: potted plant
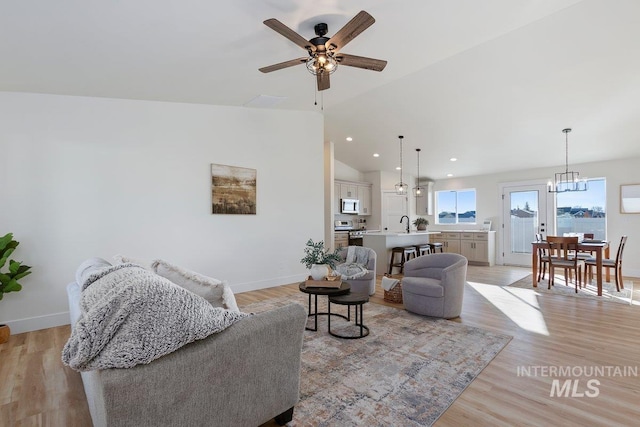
[318,259]
[421,223]
[9,279]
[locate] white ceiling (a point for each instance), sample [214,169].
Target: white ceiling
[491,82]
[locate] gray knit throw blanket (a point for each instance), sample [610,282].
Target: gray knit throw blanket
[131,316]
[354,266]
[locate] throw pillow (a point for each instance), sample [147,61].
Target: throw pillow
[216,292]
[88,267]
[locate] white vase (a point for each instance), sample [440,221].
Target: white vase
[319,271]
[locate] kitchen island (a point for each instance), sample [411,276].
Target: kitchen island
[383,242]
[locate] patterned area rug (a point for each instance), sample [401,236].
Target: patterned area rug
[405,373]
[609,292]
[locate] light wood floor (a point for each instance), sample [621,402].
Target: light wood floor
[37,390]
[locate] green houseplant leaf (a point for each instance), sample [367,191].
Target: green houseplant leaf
[315,253]
[16,270]
[421,221]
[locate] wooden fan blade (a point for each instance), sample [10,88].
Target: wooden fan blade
[358,24]
[279,27]
[282,65]
[361,62]
[323,81]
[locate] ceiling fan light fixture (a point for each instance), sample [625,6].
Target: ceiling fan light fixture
[322,63]
[325,52]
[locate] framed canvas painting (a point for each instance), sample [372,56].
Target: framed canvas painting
[233,190]
[630,198]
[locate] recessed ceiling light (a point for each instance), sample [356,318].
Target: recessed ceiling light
[449,175]
[453,159]
[398,168]
[376,155]
[349,139]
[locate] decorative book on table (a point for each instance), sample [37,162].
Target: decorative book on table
[329,282]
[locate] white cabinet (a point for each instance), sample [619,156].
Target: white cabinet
[348,191]
[477,246]
[336,198]
[364,195]
[352,190]
[424,204]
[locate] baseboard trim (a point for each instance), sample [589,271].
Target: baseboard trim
[270,283]
[58,319]
[36,323]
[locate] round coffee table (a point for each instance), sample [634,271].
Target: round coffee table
[342,290]
[357,299]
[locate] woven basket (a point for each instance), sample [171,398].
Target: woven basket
[395,294]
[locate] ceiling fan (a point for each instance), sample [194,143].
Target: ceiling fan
[324,55]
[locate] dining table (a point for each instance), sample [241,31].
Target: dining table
[601,250]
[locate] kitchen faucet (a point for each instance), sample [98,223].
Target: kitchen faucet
[403,217]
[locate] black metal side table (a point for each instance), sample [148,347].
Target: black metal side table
[356,299]
[342,290]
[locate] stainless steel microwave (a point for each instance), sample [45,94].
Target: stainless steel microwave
[349,206]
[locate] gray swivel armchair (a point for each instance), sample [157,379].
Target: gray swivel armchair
[367,283]
[433,285]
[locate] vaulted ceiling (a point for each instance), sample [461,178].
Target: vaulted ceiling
[490,82]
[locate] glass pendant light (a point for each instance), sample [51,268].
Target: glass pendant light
[418,191]
[401,187]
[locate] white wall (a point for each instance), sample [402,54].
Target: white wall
[84,177]
[617,172]
[345,172]
[386,181]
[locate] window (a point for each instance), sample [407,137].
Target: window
[455,207]
[583,211]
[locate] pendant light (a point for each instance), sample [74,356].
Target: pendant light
[418,191]
[567,180]
[401,187]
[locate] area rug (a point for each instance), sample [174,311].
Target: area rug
[405,373]
[590,290]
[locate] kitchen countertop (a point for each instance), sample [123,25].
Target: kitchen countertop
[464,231]
[394,233]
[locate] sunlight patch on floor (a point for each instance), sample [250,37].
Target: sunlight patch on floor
[519,305]
[626,296]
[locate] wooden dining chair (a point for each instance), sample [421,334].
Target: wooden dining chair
[562,252]
[586,254]
[543,259]
[616,264]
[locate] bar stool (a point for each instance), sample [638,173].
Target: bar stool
[436,246]
[423,249]
[405,253]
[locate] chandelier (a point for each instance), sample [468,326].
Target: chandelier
[401,187]
[567,180]
[418,191]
